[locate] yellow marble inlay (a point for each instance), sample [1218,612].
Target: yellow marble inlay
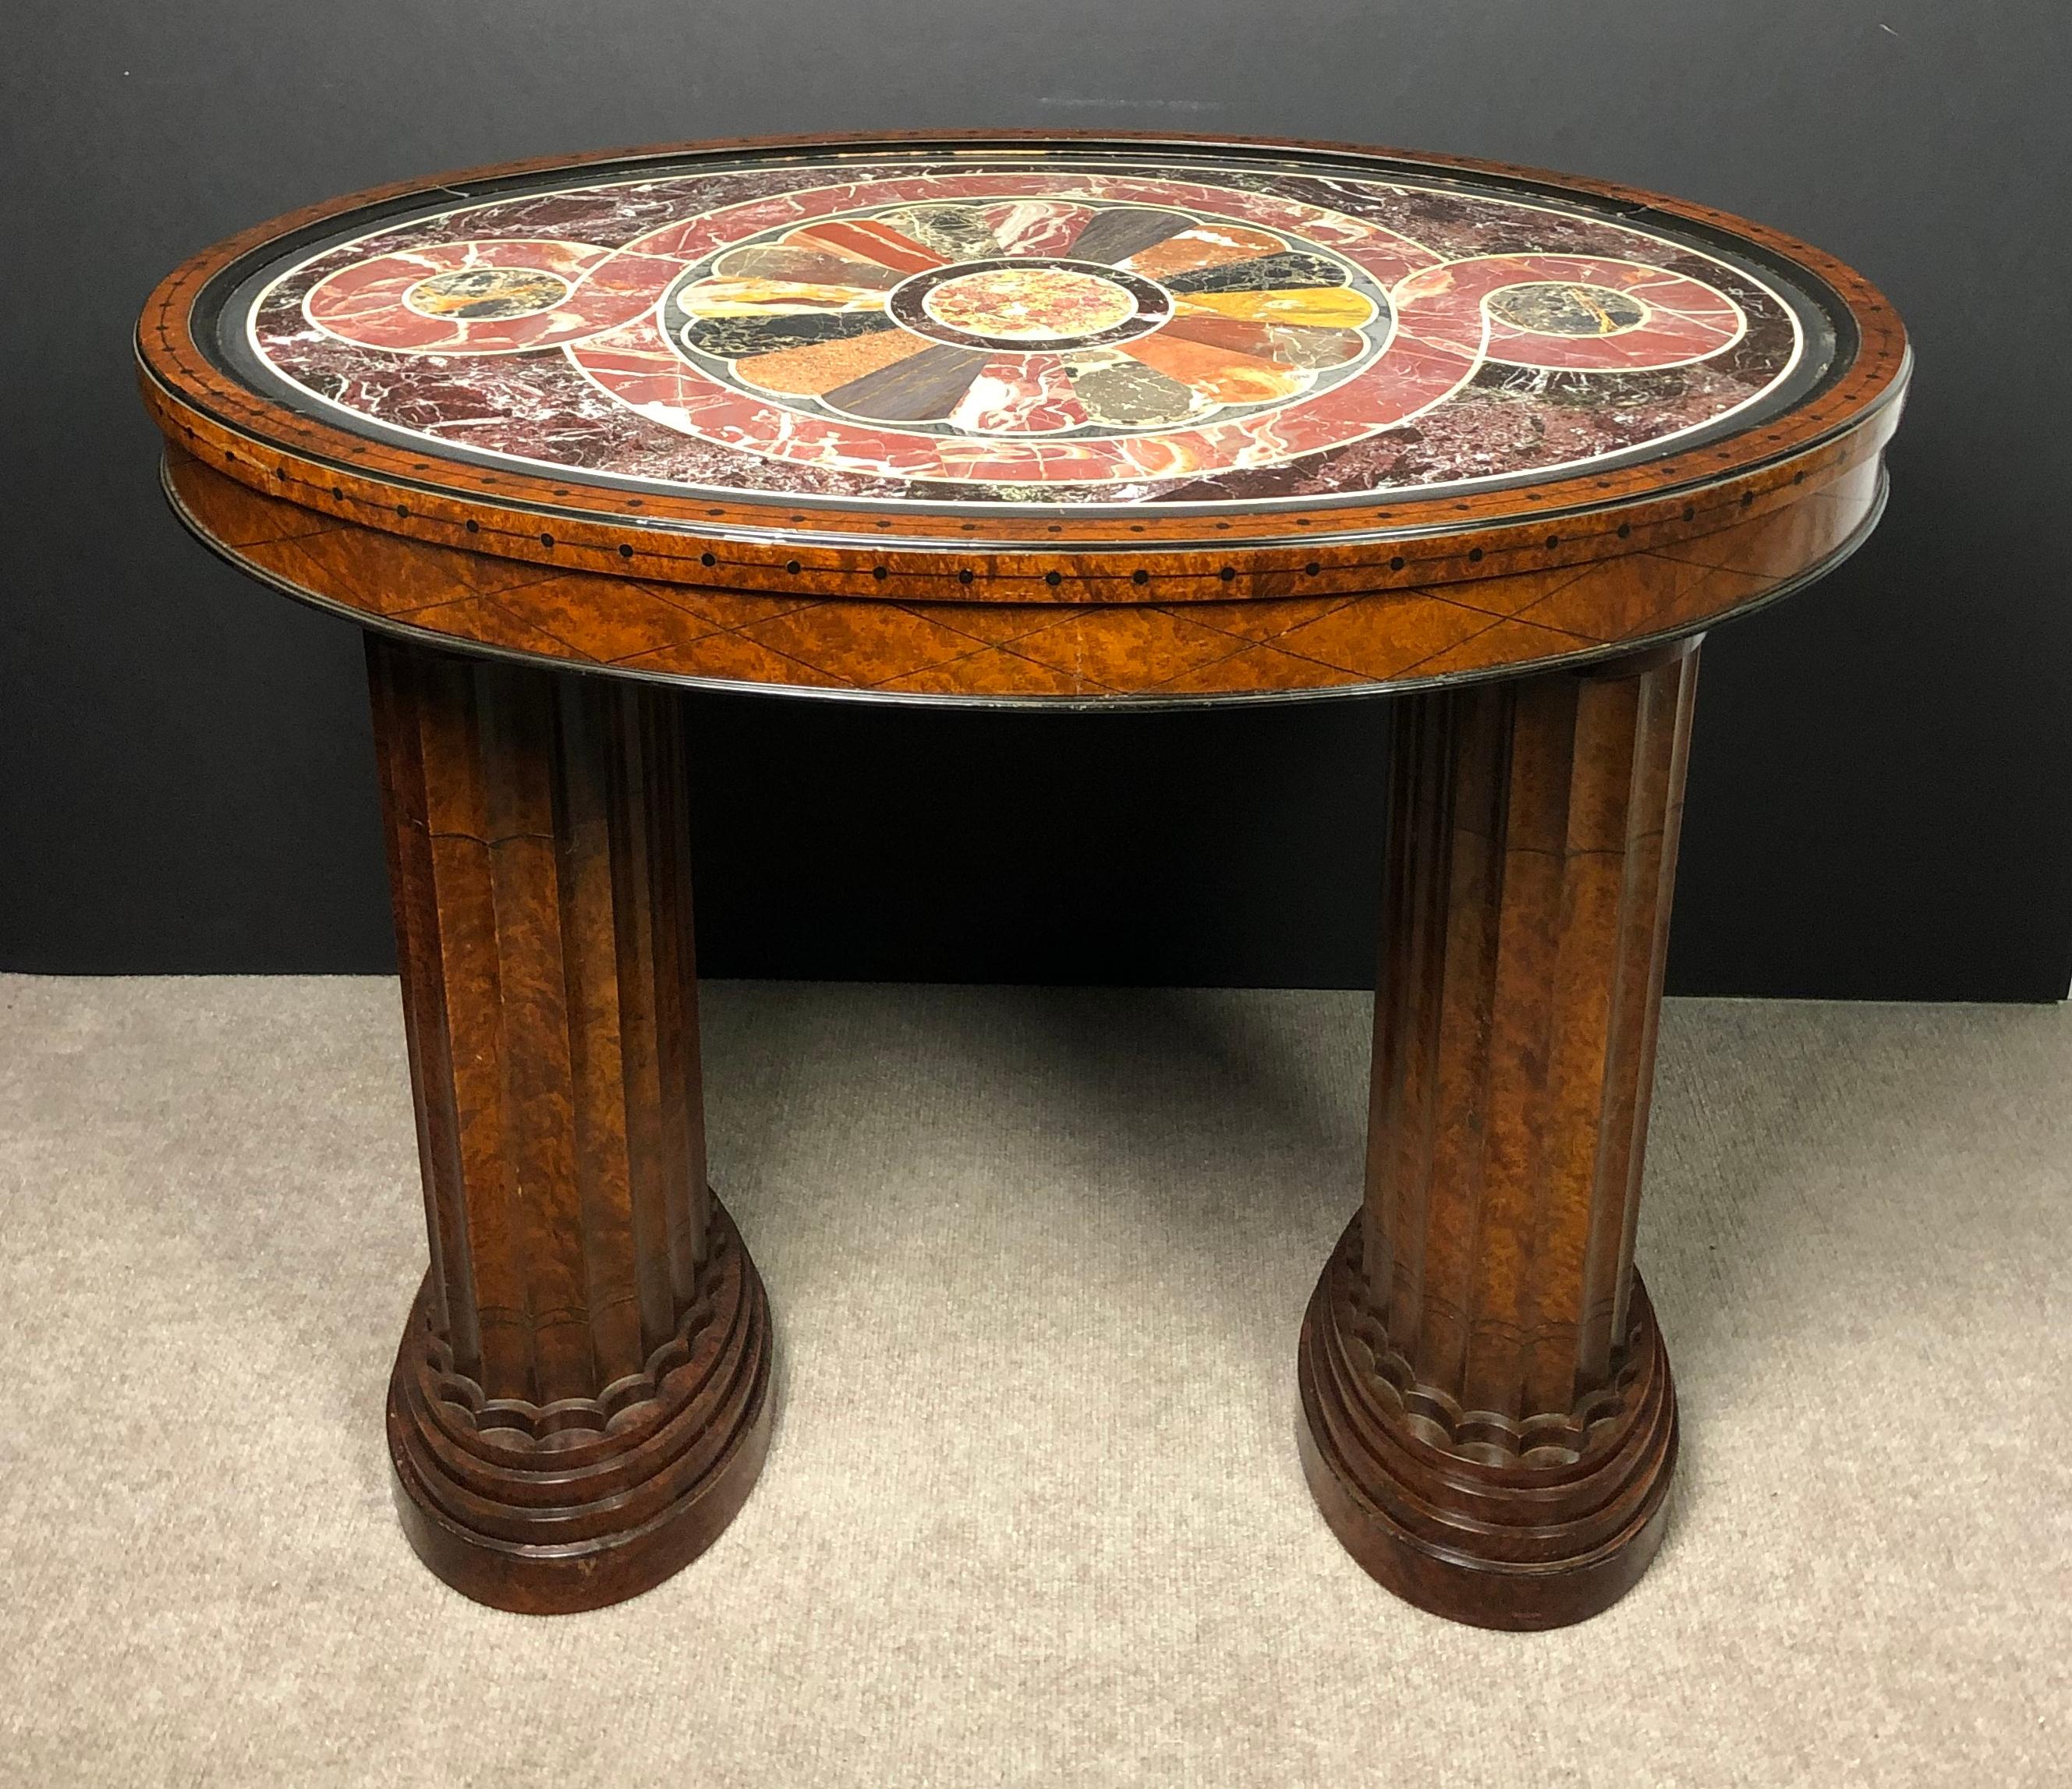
[1325,307]
[751,298]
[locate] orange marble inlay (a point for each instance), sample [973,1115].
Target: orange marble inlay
[823,366]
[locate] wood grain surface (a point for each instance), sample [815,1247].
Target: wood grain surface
[581,1401]
[1562,598]
[1490,1422]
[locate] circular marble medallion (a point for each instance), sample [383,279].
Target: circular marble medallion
[1029,304]
[1552,309]
[487,292]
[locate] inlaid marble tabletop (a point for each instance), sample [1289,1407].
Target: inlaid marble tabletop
[1077,423]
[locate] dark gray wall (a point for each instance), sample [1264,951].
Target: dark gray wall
[1878,793]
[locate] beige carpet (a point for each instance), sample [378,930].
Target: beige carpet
[1033,1514]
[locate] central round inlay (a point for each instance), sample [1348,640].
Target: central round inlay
[1027,304]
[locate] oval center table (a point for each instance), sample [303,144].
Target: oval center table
[1070,423]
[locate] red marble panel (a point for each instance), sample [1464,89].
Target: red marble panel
[1021,394]
[1035,226]
[483,298]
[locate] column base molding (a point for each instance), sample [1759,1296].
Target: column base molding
[1462,1513]
[549,1509]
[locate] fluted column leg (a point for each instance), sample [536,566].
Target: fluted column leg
[580,1402]
[1489,1425]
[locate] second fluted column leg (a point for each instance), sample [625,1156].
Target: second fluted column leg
[1490,1425]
